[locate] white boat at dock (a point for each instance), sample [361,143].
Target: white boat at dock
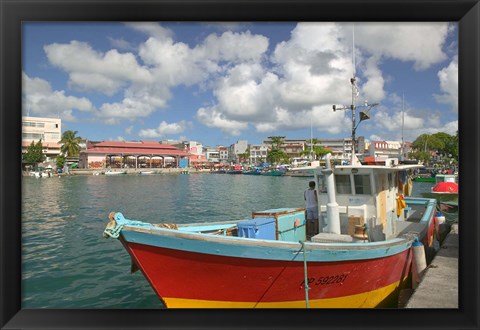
[112,172]
[304,171]
[147,172]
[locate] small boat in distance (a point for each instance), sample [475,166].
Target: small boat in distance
[425,175]
[445,191]
[147,172]
[112,172]
[271,171]
[253,171]
[304,171]
[236,169]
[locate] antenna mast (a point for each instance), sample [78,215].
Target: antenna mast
[403,120]
[353,107]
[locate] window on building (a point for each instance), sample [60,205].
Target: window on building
[342,184]
[33,136]
[322,184]
[362,184]
[33,124]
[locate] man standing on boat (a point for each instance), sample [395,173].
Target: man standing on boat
[311,201]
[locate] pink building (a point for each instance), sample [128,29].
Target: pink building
[136,154]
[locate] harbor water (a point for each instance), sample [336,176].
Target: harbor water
[66,263]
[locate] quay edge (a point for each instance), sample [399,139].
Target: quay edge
[441,273]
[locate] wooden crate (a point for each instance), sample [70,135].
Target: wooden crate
[354,220]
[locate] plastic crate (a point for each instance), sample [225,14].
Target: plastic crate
[260,228]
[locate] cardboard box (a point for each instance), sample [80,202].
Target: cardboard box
[354,220]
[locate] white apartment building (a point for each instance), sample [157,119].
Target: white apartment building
[212,154]
[258,153]
[46,129]
[223,154]
[385,149]
[240,147]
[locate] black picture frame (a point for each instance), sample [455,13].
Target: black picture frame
[14,12]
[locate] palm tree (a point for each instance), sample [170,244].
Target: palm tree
[71,144]
[277,141]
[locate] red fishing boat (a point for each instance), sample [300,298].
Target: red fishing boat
[362,256]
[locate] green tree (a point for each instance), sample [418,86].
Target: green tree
[71,144]
[60,161]
[34,153]
[277,142]
[275,156]
[440,143]
[320,151]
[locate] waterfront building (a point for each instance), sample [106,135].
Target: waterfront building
[133,154]
[385,149]
[258,153]
[292,147]
[236,149]
[212,154]
[46,129]
[223,154]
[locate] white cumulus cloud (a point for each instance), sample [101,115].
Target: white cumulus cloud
[448,78]
[40,99]
[165,129]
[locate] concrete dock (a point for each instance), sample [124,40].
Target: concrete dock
[441,273]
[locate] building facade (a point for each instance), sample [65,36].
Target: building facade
[48,130]
[236,149]
[134,154]
[292,147]
[386,149]
[258,153]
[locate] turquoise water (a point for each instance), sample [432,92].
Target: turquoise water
[68,264]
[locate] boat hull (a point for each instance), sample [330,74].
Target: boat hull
[273,173]
[203,274]
[423,179]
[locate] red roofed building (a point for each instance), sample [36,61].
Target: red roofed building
[133,154]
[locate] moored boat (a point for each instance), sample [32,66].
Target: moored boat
[112,172]
[256,263]
[304,171]
[361,257]
[236,169]
[424,175]
[253,171]
[445,191]
[273,172]
[146,172]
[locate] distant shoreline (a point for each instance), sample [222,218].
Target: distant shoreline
[137,171]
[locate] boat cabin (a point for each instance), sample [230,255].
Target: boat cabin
[371,195]
[446,178]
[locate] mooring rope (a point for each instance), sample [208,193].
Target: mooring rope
[305,273]
[285,267]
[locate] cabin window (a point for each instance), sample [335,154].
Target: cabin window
[321,184]
[390,181]
[342,184]
[362,184]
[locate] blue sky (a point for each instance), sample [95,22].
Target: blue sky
[216,83]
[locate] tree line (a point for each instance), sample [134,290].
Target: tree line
[441,145]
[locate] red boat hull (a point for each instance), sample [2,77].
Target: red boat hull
[194,280]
